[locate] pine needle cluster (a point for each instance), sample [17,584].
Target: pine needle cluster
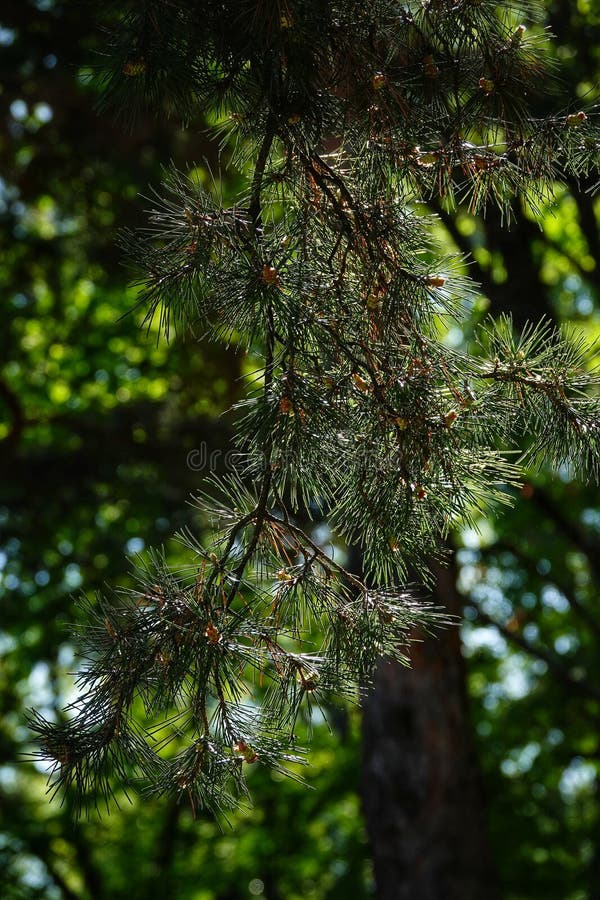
[341,115]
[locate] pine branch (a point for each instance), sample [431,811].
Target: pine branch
[358,411]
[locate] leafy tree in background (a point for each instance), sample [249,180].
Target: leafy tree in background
[360,411]
[49,454]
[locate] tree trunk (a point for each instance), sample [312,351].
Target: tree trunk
[422,793]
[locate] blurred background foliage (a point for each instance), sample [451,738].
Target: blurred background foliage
[97,421]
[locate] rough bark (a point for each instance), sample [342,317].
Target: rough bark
[422,793]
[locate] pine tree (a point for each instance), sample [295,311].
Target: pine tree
[342,117]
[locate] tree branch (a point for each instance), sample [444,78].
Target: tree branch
[582,687]
[529,565]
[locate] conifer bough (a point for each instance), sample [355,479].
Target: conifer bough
[340,115]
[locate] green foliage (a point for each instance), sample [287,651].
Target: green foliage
[358,410]
[531,638]
[87,478]
[62,471]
